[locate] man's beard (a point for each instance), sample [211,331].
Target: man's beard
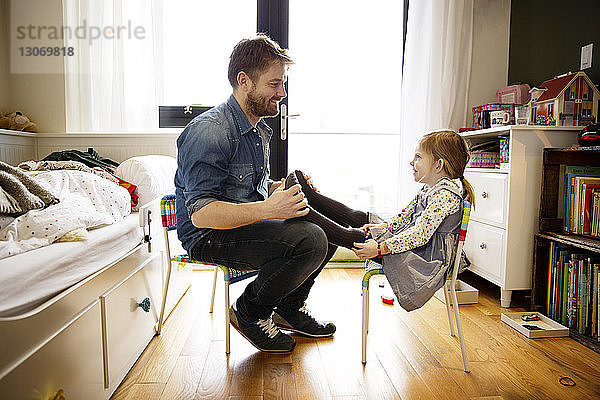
[260,105]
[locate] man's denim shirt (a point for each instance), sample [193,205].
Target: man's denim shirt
[220,156]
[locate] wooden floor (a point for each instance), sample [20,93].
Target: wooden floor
[410,355]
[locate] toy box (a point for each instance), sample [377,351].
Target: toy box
[543,327]
[465,294]
[513,94]
[510,108]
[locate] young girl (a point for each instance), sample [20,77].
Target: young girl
[417,247]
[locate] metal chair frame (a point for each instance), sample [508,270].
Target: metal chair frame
[372,268]
[230,275]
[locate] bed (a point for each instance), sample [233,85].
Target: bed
[76,315]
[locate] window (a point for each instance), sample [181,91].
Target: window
[346,87]
[586,109]
[586,91]
[571,92]
[197,39]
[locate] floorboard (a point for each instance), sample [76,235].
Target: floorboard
[410,355]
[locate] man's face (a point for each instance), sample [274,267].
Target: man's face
[266,93]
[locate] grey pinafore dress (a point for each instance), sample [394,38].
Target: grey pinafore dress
[415,275]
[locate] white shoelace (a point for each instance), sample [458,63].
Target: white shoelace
[268,327]
[305,310]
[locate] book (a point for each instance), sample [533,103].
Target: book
[549,285]
[587,205]
[578,200]
[571,300]
[595,223]
[594,294]
[570,172]
[565,287]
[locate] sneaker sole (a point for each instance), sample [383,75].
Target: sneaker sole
[289,328]
[253,344]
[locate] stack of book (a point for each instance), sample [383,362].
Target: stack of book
[581,200]
[573,295]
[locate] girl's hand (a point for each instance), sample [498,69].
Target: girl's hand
[365,250]
[365,228]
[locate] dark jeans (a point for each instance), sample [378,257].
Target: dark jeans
[289,255]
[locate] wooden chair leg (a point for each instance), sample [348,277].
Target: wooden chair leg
[227,348]
[447,298]
[461,338]
[214,287]
[365,322]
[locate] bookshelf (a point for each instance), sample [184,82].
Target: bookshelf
[551,225]
[499,239]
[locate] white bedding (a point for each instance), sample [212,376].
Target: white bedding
[86,201]
[29,279]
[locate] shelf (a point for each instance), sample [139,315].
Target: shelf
[571,149]
[551,225]
[490,132]
[585,340]
[487,170]
[582,242]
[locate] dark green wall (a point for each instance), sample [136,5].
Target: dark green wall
[546,38]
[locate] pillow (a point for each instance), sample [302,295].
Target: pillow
[153,175]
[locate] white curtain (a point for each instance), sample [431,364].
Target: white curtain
[437,65]
[111,80]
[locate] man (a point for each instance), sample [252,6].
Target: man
[229,211]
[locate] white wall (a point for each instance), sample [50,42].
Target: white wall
[4,65]
[40,96]
[489,67]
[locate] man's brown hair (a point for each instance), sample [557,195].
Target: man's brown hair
[253,56]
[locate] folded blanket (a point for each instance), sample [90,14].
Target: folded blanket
[32,165]
[86,201]
[53,165]
[19,193]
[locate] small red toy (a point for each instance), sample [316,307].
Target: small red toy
[530,317]
[387,299]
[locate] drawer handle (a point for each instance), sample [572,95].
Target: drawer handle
[484,195]
[482,246]
[145,304]
[59,395]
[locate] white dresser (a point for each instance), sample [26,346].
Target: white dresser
[499,240]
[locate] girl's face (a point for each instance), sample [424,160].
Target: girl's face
[424,167]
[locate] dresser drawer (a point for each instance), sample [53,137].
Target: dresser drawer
[127,327]
[70,360]
[484,246]
[490,197]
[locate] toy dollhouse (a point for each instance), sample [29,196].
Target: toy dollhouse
[567,100]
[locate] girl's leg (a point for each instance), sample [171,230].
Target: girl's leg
[336,233]
[332,209]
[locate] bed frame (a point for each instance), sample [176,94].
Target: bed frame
[81,343]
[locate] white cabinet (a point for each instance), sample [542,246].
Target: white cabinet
[499,240]
[69,361]
[130,313]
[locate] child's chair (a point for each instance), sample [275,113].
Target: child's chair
[372,268]
[230,275]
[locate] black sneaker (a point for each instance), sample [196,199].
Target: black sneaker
[262,333]
[302,322]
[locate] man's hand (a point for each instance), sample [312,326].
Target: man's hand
[275,185]
[286,203]
[365,250]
